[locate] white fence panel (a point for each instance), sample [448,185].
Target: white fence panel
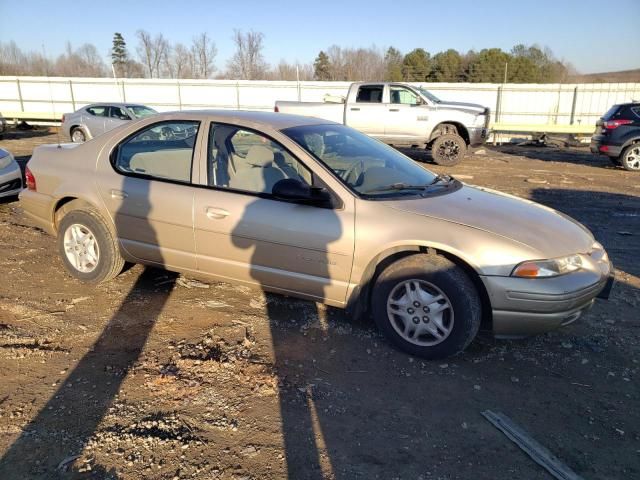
[512,104]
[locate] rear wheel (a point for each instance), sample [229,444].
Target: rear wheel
[630,158]
[448,149]
[88,249]
[78,136]
[427,306]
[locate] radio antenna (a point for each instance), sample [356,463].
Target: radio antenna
[53,105]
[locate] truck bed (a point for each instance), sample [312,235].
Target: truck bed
[327,111]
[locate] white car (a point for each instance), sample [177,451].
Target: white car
[10,175]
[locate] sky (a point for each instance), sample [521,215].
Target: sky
[594,35]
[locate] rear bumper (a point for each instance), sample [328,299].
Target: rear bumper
[600,146]
[522,307]
[38,208]
[477,136]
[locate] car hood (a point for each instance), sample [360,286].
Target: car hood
[548,231]
[464,107]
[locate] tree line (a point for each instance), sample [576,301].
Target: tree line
[154,56]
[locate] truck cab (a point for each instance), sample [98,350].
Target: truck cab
[405,116]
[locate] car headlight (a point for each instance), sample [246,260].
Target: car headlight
[548,268]
[6,161]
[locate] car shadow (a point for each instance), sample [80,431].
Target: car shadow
[65,424]
[551,153]
[613,218]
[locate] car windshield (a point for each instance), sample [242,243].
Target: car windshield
[140,111]
[429,95]
[367,166]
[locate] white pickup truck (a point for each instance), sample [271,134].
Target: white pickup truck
[404,116]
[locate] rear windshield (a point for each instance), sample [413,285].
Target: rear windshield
[612,113]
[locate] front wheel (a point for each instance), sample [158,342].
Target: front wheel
[448,149]
[88,249]
[427,306]
[630,158]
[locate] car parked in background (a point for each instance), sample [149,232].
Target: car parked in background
[404,116]
[315,209]
[10,175]
[95,119]
[618,135]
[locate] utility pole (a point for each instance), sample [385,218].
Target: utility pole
[506,65]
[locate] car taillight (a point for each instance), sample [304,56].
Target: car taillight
[276,109]
[31,180]
[613,124]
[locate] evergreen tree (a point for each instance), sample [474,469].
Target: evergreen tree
[393,65]
[416,65]
[447,67]
[119,55]
[322,67]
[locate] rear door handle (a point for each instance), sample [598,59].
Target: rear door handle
[216,213]
[355,109]
[394,109]
[118,194]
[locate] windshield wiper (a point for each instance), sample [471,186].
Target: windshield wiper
[441,179]
[398,186]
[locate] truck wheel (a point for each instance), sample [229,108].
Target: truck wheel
[448,149]
[630,158]
[427,306]
[88,249]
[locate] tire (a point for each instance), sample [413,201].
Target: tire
[101,252]
[456,324]
[630,158]
[448,149]
[78,135]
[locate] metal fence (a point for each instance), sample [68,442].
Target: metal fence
[518,105]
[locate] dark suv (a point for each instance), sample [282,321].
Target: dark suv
[618,135]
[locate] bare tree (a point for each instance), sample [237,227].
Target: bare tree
[204,52]
[291,71]
[152,51]
[247,62]
[179,62]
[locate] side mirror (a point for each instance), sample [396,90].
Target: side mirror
[294,190]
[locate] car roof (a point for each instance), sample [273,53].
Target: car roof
[277,121]
[114,104]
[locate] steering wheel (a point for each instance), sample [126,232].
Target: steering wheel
[349,171]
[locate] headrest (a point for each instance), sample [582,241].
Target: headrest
[259,156]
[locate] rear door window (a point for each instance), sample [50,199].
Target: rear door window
[97,111]
[370,94]
[162,151]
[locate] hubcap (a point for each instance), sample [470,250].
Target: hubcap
[420,312]
[77,136]
[81,248]
[633,158]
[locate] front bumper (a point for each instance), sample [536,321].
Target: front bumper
[477,136]
[10,180]
[522,307]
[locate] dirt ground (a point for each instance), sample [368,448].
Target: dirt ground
[155,376]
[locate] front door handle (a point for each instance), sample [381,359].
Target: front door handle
[216,213]
[394,109]
[354,109]
[118,194]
